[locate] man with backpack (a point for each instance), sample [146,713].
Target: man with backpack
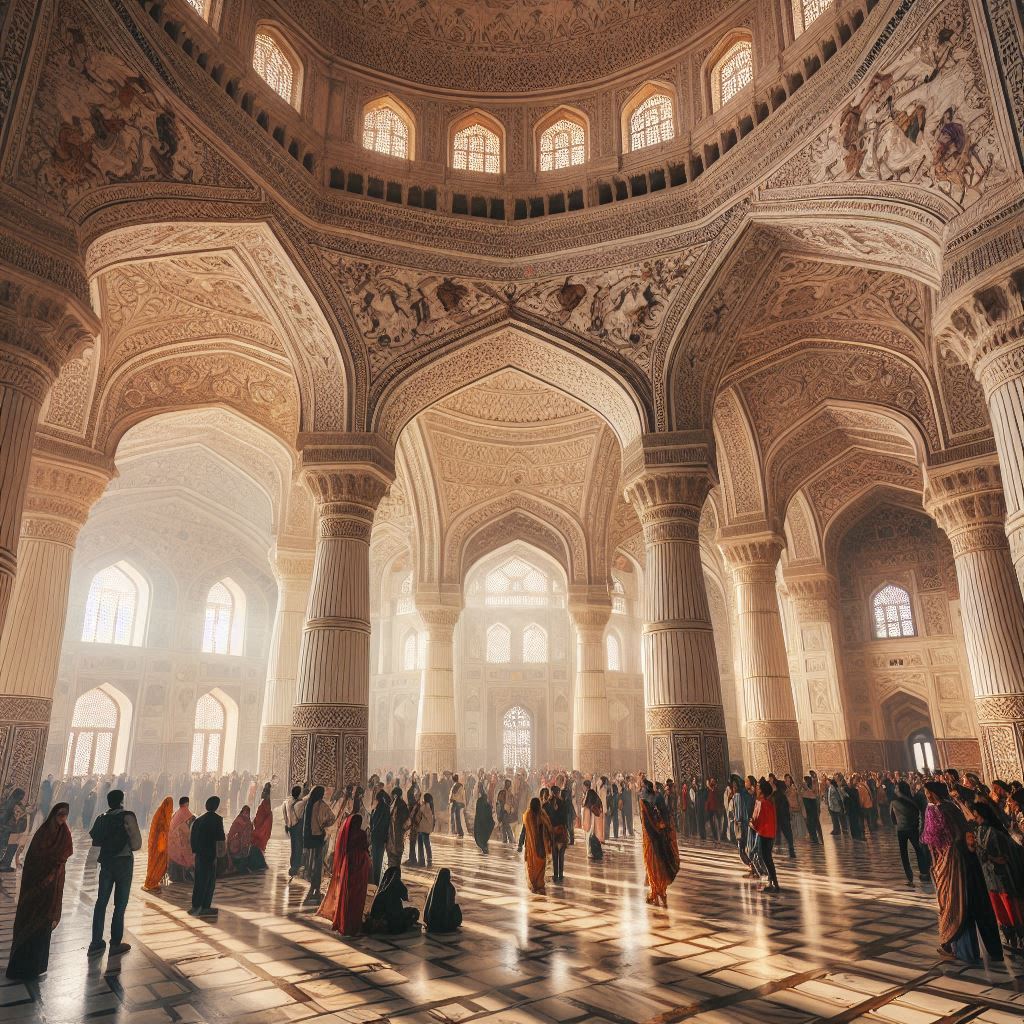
[116,833]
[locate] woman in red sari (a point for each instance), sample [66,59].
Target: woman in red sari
[346,894]
[41,896]
[661,854]
[263,823]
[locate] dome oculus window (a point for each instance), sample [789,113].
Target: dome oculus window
[733,73]
[476,148]
[274,66]
[387,130]
[652,121]
[563,144]
[893,615]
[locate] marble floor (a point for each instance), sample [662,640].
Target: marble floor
[845,941]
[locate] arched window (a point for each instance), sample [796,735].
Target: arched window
[517,739]
[115,610]
[517,583]
[806,11]
[209,735]
[94,725]
[893,614]
[476,148]
[563,144]
[273,65]
[499,644]
[404,604]
[618,597]
[733,72]
[387,129]
[922,750]
[652,121]
[613,653]
[410,651]
[224,625]
[535,644]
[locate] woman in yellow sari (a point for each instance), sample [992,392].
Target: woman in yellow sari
[661,853]
[538,845]
[159,834]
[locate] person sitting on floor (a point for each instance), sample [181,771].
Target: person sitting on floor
[388,912]
[441,913]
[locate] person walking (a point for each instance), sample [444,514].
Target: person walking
[317,817]
[660,845]
[784,823]
[809,797]
[380,826]
[906,816]
[456,805]
[424,826]
[206,836]
[116,833]
[836,803]
[763,822]
[291,815]
[555,809]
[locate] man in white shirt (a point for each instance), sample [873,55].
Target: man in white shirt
[291,814]
[457,801]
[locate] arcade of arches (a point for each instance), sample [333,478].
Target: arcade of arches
[382,385]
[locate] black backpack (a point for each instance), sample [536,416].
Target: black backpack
[109,834]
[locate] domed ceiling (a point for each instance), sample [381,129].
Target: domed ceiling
[502,46]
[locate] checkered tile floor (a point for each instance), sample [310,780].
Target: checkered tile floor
[845,941]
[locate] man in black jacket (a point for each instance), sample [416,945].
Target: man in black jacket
[207,832]
[116,833]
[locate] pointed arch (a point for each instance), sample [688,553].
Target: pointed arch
[650,116]
[117,607]
[389,128]
[101,724]
[729,68]
[215,733]
[562,139]
[476,143]
[277,62]
[224,619]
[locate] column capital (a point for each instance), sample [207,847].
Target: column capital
[967,501]
[440,619]
[292,565]
[814,595]
[752,557]
[590,616]
[64,483]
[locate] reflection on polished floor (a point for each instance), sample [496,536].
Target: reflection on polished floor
[846,941]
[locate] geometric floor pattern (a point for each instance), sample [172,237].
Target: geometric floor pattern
[845,941]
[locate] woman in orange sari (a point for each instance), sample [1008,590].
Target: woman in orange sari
[661,853]
[41,896]
[263,823]
[538,845]
[346,894]
[159,835]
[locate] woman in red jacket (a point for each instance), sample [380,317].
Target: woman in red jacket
[763,822]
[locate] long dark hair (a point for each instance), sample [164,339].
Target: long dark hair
[314,798]
[988,812]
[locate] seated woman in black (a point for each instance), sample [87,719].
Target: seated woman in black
[441,913]
[388,912]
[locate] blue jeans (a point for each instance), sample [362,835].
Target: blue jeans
[456,820]
[116,878]
[423,846]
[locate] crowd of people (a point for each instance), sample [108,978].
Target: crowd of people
[967,839]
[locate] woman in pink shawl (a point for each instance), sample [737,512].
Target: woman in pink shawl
[243,855]
[180,859]
[346,895]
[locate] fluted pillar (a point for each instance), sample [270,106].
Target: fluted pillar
[592,735]
[348,477]
[988,332]
[293,570]
[61,490]
[668,477]
[435,721]
[773,736]
[967,501]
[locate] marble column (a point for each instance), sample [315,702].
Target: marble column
[988,333]
[817,618]
[293,569]
[435,722]
[773,736]
[967,501]
[592,730]
[61,490]
[348,479]
[668,477]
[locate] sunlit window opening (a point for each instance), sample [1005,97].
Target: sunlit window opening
[224,625]
[517,739]
[652,122]
[613,653]
[199,6]
[618,597]
[410,651]
[807,11]
[404,605]
[734,72]
[94,726]
[386,131]
[115,607]
[271,64]
[499,644]
[893,614]
[476,148]
[208,738]
[517,583]
[562,145]
[535,644]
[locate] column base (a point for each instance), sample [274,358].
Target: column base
[687,741]
[329,744]
[774,747]
[435,752]
[1001,724]
[24,726]
[592,752]
[275,753]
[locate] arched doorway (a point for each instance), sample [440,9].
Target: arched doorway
[908,730]
[517,739]
[923,756]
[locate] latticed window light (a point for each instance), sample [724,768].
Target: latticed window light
[271,64]
[652,122]
[535,644]
[110,608]
[733,72]
[93,727]
[499,644]
[476,148]
[562,145]
[806,11]
[220,607]
[517,739]
[199,6]
[404,604]
[517,583]
[384,131]
[410,652]
[618,597]
[208,739]
[893,614]
[613,653]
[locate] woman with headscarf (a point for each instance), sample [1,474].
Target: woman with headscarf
[159,837]
[243,855]
[441,913]
[388,912]
[181,861]
[593,822]
[346,894]
[41,896]
[380,827]
[537,832]
[483,821]
[661,852]
[316,818]
[1002,865]
[263,823]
